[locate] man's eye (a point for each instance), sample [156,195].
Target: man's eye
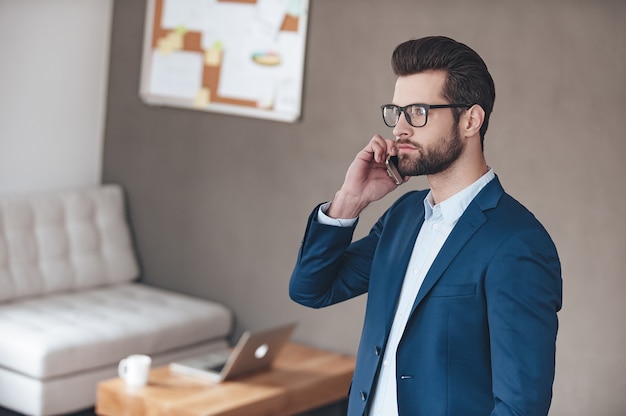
[417,110]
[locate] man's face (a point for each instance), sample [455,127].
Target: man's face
[436,146]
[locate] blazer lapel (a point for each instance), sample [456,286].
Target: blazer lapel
[405,234]
[471,220]
[404,227]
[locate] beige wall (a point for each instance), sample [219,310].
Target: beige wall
[219,203]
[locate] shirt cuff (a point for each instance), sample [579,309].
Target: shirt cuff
[322,218]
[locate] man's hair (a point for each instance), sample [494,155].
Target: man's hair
[468,81]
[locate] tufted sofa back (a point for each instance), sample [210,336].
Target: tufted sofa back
[61,241]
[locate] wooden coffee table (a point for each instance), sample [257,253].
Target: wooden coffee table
[302,378]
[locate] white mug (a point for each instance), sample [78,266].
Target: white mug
[134,369]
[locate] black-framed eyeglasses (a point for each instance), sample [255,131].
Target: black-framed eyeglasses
[416,114]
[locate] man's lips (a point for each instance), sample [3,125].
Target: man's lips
[405,147]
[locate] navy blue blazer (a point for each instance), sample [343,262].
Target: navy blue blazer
[482,333]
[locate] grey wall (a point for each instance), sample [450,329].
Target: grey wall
[219,203]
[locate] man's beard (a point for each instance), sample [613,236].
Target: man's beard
[435,159]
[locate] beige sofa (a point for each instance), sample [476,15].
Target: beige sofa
[71,306]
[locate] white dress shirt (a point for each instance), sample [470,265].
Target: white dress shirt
[439,221]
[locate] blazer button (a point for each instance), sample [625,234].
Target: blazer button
[377,351]
[363,395]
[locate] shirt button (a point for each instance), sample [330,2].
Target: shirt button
[386,362]
[435,226]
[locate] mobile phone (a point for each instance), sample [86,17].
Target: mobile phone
[392,169]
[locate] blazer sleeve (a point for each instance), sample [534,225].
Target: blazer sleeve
[524,292]
[330,268]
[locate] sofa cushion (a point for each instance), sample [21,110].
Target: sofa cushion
[76,331]
[58,241]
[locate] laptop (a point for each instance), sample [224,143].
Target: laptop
[255,351]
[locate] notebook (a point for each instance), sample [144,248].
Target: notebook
[255,351]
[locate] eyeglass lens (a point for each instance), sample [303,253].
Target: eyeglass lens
[416,115]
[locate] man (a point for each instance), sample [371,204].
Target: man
[463,283]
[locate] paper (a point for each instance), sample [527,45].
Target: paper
[192,14]
[178,74]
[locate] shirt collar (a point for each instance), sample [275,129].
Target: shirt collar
[452,208]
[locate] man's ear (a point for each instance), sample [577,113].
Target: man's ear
[472,120]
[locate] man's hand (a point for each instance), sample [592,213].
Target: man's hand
[366,180]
